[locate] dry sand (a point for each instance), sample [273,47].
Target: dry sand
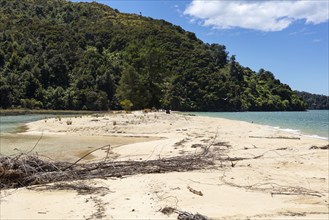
[289,179]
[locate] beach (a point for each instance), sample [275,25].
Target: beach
[258,172]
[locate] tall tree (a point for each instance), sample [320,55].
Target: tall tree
[131,87]
[153,74]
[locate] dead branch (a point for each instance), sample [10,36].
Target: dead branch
[189,216]
[25,170]
[325,147]
[206,149]
[87,154]
[196,192]
[274,188]
[80,187]
[182,215]
[36,144]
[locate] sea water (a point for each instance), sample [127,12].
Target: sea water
[11,123]
[313,122]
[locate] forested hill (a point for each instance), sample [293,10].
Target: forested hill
[314,101]
[56,54]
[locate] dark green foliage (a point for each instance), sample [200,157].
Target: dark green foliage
[314,101]
[64,55]
[131,87]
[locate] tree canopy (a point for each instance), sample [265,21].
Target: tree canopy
[314,101]
[65,55]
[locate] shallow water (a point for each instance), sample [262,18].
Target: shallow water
[56,146]
[313,122]
[62,147]
[10,124]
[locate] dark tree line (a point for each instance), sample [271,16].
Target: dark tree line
[64,55]
[314,101]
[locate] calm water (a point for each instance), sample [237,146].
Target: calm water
[313,122]
[11,123]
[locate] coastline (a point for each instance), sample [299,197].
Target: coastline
[288,179]
[8,112]
[300,122]
[299,132]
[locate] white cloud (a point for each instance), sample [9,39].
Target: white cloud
[316,41]
[258,15]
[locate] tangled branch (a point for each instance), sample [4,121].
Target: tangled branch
[25,170]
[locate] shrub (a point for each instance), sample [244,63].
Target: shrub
[126,104]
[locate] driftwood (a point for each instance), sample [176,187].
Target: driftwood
[182,215]
[25,170]
[29,169]
[196,192]
[326,147]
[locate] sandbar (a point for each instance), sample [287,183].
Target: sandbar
[282,176]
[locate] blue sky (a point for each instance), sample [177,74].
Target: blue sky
[288,38]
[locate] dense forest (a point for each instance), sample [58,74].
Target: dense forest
[314,101]
[56,54]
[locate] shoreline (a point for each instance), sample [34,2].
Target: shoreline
[286,128]
[14,112]
[275,175]
[299,132]
[72,113]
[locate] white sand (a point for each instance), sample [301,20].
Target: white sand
[288,181]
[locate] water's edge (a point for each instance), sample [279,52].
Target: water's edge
[313,123]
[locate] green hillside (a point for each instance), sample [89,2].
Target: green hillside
[314,101]
[56,54]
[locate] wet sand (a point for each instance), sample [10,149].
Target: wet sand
[62,147]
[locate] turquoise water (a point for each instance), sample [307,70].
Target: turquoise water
[11,123]
[313,122]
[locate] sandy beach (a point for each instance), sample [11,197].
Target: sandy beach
[271,174]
